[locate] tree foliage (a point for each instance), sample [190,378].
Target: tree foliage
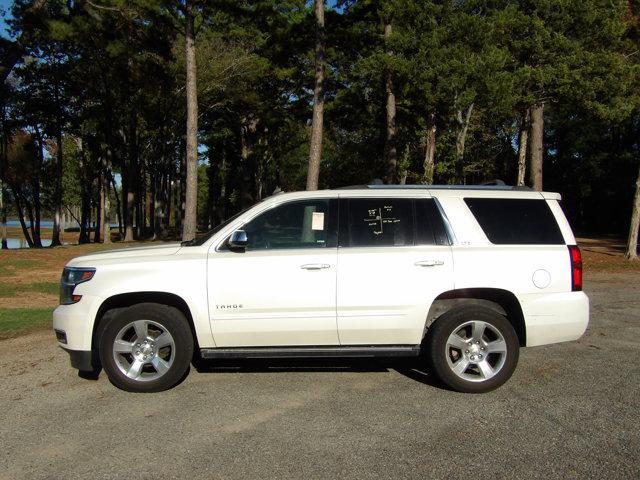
[110,75]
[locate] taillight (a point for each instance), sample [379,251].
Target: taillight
[576,268]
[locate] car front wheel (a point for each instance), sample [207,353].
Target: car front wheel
[146,348]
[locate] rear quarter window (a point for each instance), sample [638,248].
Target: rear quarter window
[510,221]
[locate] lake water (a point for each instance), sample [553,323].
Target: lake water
[21,243]
[43,223]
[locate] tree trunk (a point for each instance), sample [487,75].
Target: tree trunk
[129,195]
[315,150]
[537,145]
[632,243]
[523,140]
[403,166]
[37,239]
[156,205]
[167,195]
[29,208]
[55,236]
[25,230]
[181,191]
[118,206]
[461,138]
[247,134]
[3,218]
[191,197]
[84,215]
[391,153]
[430,150]
[106,177]
[97,233]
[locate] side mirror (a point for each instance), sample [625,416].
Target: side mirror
[238,240]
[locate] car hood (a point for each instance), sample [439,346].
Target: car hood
[126,254]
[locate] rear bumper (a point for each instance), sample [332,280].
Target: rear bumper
[555,317]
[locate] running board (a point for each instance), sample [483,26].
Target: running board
[313,352]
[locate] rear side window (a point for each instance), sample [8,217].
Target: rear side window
[380,222]
[390,222]
[510,221]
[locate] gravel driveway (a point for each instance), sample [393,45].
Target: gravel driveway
[570,410]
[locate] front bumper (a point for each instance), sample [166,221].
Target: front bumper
[82,360]
[76,322]
[73,326]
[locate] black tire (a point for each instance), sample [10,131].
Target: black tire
[443,357]
[177,355]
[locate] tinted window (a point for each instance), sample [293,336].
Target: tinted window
[516,222]
[304,224]
[379,222]
[429,226]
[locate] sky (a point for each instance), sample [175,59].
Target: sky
[5,6]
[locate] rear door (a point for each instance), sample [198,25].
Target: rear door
[394,259]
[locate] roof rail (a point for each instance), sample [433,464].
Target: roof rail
[489,186]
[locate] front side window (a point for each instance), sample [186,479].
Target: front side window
[293,225]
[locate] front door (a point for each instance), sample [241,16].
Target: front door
[282,289]
[394,259]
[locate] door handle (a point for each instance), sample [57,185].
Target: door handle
[315,266]
[429,263]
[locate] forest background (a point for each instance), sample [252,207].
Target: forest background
[158,119]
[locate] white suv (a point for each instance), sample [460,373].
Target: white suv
[460,277]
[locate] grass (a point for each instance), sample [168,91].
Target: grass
[14,321]
[50,288]
[7,290]
[10,266]
[11,290]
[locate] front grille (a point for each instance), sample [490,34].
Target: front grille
[61,336]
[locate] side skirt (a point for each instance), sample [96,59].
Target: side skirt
[362,351]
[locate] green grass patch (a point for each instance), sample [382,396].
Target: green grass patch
[7,290]
[12,290]
[52,288]
[10,266]
[16,320]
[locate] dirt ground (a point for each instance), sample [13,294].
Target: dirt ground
[606,254]
[569,411]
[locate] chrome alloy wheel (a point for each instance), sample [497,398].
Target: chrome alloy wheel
[144,350]
[476,351]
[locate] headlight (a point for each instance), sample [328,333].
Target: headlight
[72,276]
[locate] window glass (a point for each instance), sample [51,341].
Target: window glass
[429,225]
[302,224]
[515,221]
[380,222]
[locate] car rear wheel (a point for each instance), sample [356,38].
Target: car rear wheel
[146,348]
[472,349]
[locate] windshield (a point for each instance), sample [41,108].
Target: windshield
[201,240]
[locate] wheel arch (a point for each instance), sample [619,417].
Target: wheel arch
[124,300]
[500,300]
